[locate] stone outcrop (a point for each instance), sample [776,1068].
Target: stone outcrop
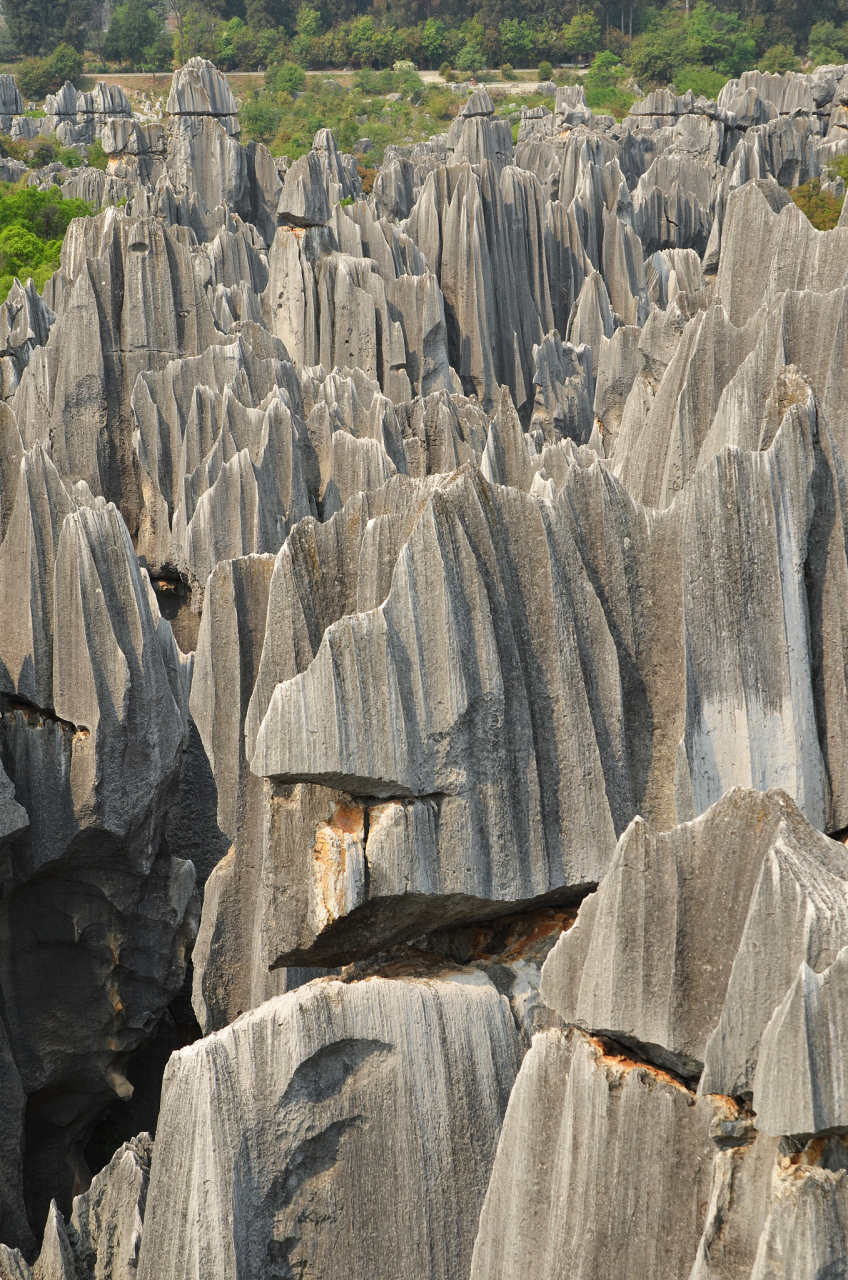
[311,1099]
[448,583]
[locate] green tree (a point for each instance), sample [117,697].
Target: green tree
[37,26]
[719,39]
[285,78]
[433,39]
[582,35]
[780,58]
[308,22]
[658,55]
[65,64]
[828,43]
[470,57]
[518,42]
[133,28]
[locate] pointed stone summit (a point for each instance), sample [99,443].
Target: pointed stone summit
[199,89]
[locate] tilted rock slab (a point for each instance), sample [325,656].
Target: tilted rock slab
[600,1158]
[277,1135]
[649,964]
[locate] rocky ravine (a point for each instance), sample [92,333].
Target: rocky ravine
[423,630]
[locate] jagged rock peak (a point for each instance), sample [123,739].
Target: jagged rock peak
[200,89]
[479,103]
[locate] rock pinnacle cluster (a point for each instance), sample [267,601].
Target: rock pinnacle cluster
[424,700]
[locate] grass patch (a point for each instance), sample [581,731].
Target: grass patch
[703,81]
[37,152]
[287,120]
[820,207]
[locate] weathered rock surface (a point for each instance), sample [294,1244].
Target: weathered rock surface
[645,967]
[438,570]
[590,1166]
[281,1130]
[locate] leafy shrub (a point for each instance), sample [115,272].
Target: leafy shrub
[287,77]
[701,80]
[446,72]
[65,64]
[779,58]
[40,76]
[470,57]
[838,168]
[545,71]
[33,77]
[32,226]
[603,86]
[507,71]
[820,207]
[97,157]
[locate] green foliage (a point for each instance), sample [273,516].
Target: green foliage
[657,55]
[8,49]
[133,30]
[446,71]
[779,58]
[32,226]
[545,71]
[40,76]
[820,207]
[470,57]
[433,39]
[65,64]
[33,78]
[308,22]
[719,39]
[703,81]
[97,157]
[602,84]
[828,43]
[288,125]
[236,45]
[838,168]
[582,35]
[38,26]
[507,71]
[517,41]
[285,78]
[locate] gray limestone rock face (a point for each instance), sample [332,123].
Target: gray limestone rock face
[282,1130]
[803,1043]
[600,1157]
[303,200]
[744,1168]
[483,234]
[96,915]
[101,1240]
[107,1220]
[426,736]
[797,914]
[641,965]
[199,89]
[806,1233]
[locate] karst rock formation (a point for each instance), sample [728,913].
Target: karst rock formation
[424,700]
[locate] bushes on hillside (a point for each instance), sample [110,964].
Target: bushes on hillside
[32,227]
[37,77]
